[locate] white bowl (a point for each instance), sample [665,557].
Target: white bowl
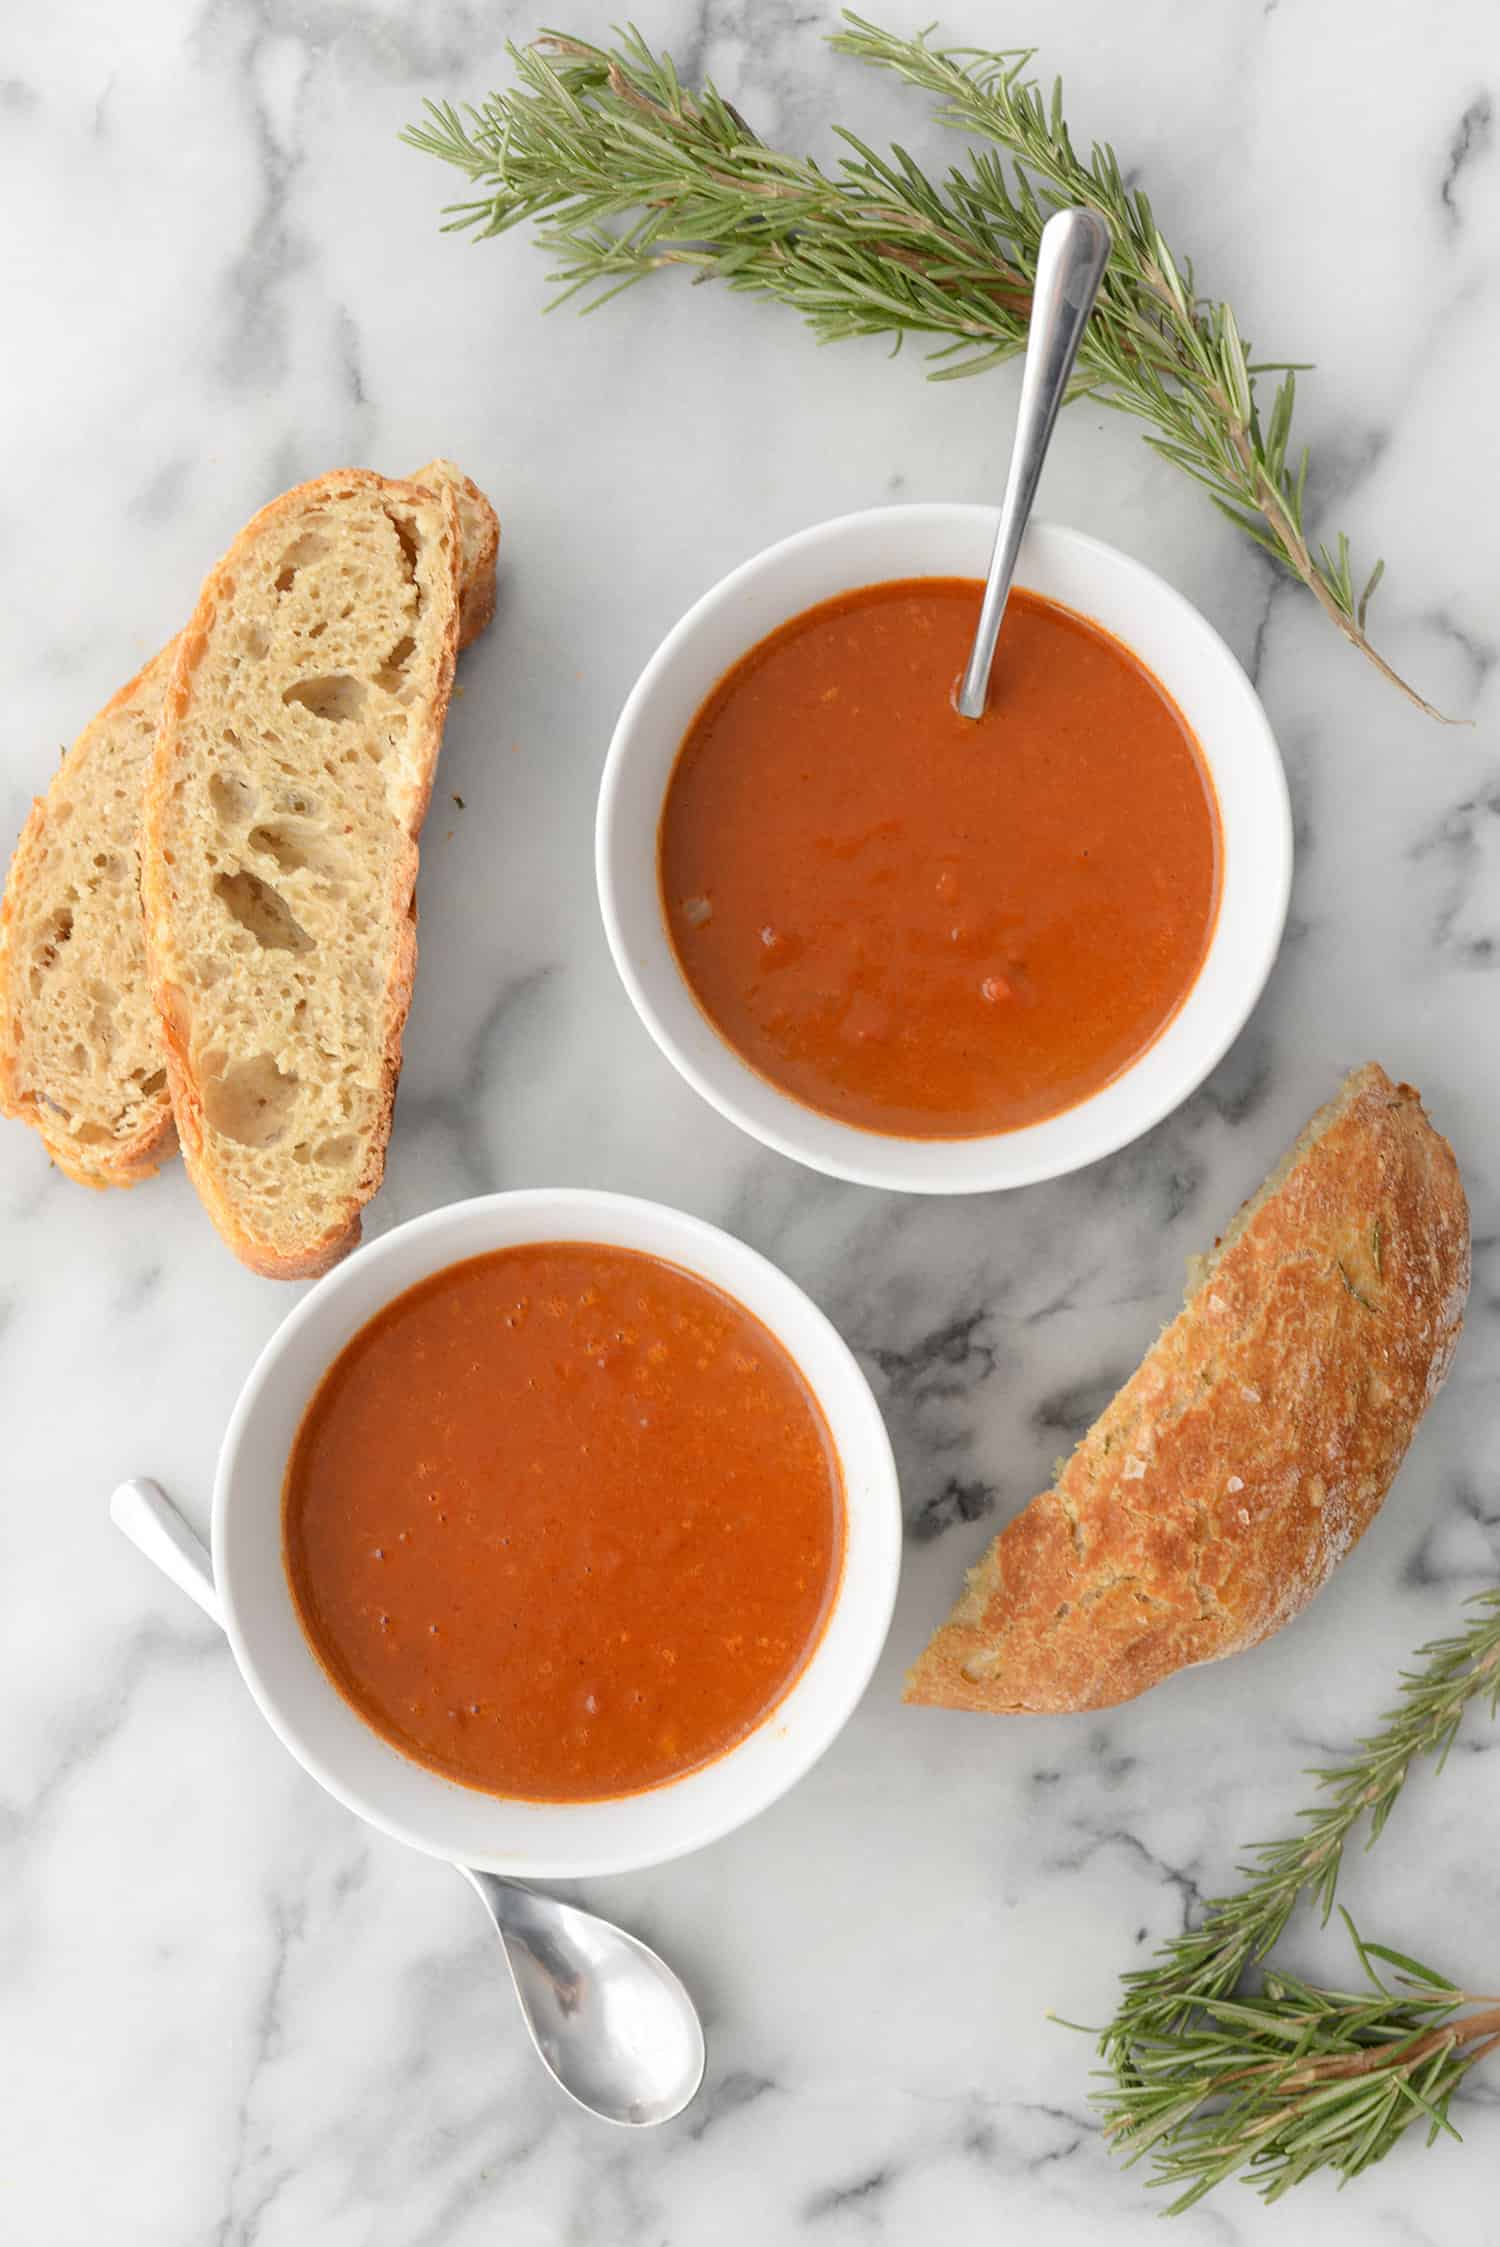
[420,1806]
[940,540]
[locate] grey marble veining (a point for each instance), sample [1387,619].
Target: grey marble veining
[227,2013]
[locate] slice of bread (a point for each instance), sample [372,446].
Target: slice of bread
[480,526]
[81,1056]
[288,784]
[81,1052]
[1252,1448]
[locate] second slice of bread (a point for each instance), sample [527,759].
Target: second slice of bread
[289,781]
[81,1056]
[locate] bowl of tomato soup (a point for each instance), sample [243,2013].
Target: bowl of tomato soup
[557,1532]
[916,951]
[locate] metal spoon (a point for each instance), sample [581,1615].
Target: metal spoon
[610,2019]
[1070,265]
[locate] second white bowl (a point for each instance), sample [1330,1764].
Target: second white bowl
[943,540]
[404,1797]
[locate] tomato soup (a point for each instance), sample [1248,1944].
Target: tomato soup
[563,1522]
[924,925]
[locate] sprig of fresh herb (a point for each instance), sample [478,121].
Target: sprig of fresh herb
[626,172]
[1219,2065]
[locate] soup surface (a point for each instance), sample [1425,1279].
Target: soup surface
[563,1522]
[924,925]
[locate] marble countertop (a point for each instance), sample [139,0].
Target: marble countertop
[227,2012]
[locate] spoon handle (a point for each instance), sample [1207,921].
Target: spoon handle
[507,1901]
[1070,264]
[143,1512]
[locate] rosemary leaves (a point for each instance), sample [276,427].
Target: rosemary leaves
[1219,2064]
[625,171]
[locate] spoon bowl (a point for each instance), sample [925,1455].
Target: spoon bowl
[609,2019]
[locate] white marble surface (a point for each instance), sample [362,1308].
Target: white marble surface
[227,2013]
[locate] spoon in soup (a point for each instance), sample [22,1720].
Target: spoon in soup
[609,2019]
[1070,264]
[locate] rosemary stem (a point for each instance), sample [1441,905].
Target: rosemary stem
[1450,2036]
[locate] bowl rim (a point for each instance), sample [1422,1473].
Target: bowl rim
[988,1162]
[871,1500]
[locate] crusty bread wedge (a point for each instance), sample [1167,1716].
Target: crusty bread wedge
[1253,1447]
[81,1052]
[289,781]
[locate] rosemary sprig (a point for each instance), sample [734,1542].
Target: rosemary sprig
[1209,2076]
[627,172]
